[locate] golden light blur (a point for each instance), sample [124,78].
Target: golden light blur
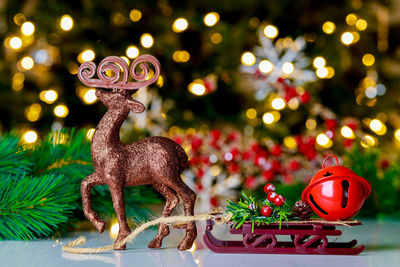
[378,127]
[311,124]
[331,72]
[89,97]
[30,137]
[33,112]
[268,118]
[135,15]
[89,133]
[215,170]
[361,24]
[397,134]
[66,22]
[293,103]
[197,87]
[271,31]
[322,72]
[288,67]
[368,60]
[328,27]
[132,51]
[278,103]
[248,59]
[347,38]
[347,132]
[114,229]
[210,19]
[351,19]
[48,96]
[18,81]
[14,42]
[251,113]
[216,38]
[368,141]
[86,55]
[27,28]
[180,25]
[324,141]
[61,111]
[265,66]
[193,248]
[27,63]
[146,40]
[319,62]
[181,56]
[290,142]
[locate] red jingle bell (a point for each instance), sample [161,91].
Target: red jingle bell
[336,192]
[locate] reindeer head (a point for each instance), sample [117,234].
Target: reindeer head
[120,96]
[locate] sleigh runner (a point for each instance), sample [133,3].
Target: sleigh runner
[306,238]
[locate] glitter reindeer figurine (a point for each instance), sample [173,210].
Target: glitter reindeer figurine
[156,160]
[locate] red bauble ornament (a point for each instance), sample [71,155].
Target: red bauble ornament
[271,196]
[266,211]
[336,192]
[196,143]
[305,98]
[278,200]
[269,188]
[276,150]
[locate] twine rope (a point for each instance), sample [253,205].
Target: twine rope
[214,214]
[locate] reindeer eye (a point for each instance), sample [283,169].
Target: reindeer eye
[327,174]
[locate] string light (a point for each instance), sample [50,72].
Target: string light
[251,113]
[265,66]
[271,31]
[61,111]
[322,72]
[135,15]
[15,42]
[290,142]
[197,87]
[87,55]
[18,81]
[19,18]
[319,62]
[89,96]
[33,112]
[48,96]
[180,25]
[328,27]
[216,38]
[89,133]
[361,24]
[324,141]
[268,118]
[397,134]
[368,141]
[30,137]
[351,19]
[66,23]
[132,51]
[248,59]
[347,38]
[146,40]
[27,28]
[278,103]
[331,72]
[311,124]
[368,60]
[377,126]
[347,132]
[181,56]
[210,19]
[288,68]
[27,63]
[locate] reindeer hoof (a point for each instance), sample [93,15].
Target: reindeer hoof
[185,245]
[100,226]
[155,243]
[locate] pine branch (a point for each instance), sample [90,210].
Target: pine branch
[12,157]
[34,206]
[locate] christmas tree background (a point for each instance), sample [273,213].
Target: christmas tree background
[255,92]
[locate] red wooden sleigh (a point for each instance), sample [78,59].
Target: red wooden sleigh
[307,238]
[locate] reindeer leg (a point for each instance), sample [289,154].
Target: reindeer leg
[86,187]
[188,199]
[117,195]
[171,202]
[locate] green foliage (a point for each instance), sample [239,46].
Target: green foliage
[385,181]
[40,186]
[248,210]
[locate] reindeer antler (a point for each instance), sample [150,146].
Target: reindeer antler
[117,65]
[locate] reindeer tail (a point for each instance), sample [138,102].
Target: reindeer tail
[183,158]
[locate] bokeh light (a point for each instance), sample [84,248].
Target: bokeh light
[271,31]
[210,19]
[146,40]
[66,23]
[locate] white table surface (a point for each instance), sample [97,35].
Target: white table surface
[381,238]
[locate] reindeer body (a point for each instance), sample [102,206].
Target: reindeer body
[157,160]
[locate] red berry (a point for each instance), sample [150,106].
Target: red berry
[269,188]
[294,165]
[276,166]
[266,211]
[214,201]
[331,124]
[352,125]
[178,140]
[348,143]
[276,150]
[305,98]
[271,196]
[200,173]
[384,164]
[215,134]
[280,80]
[233,168]
[199,187]
[250,182]
[196,143]
[268,175]
[246,155]
[279,200]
